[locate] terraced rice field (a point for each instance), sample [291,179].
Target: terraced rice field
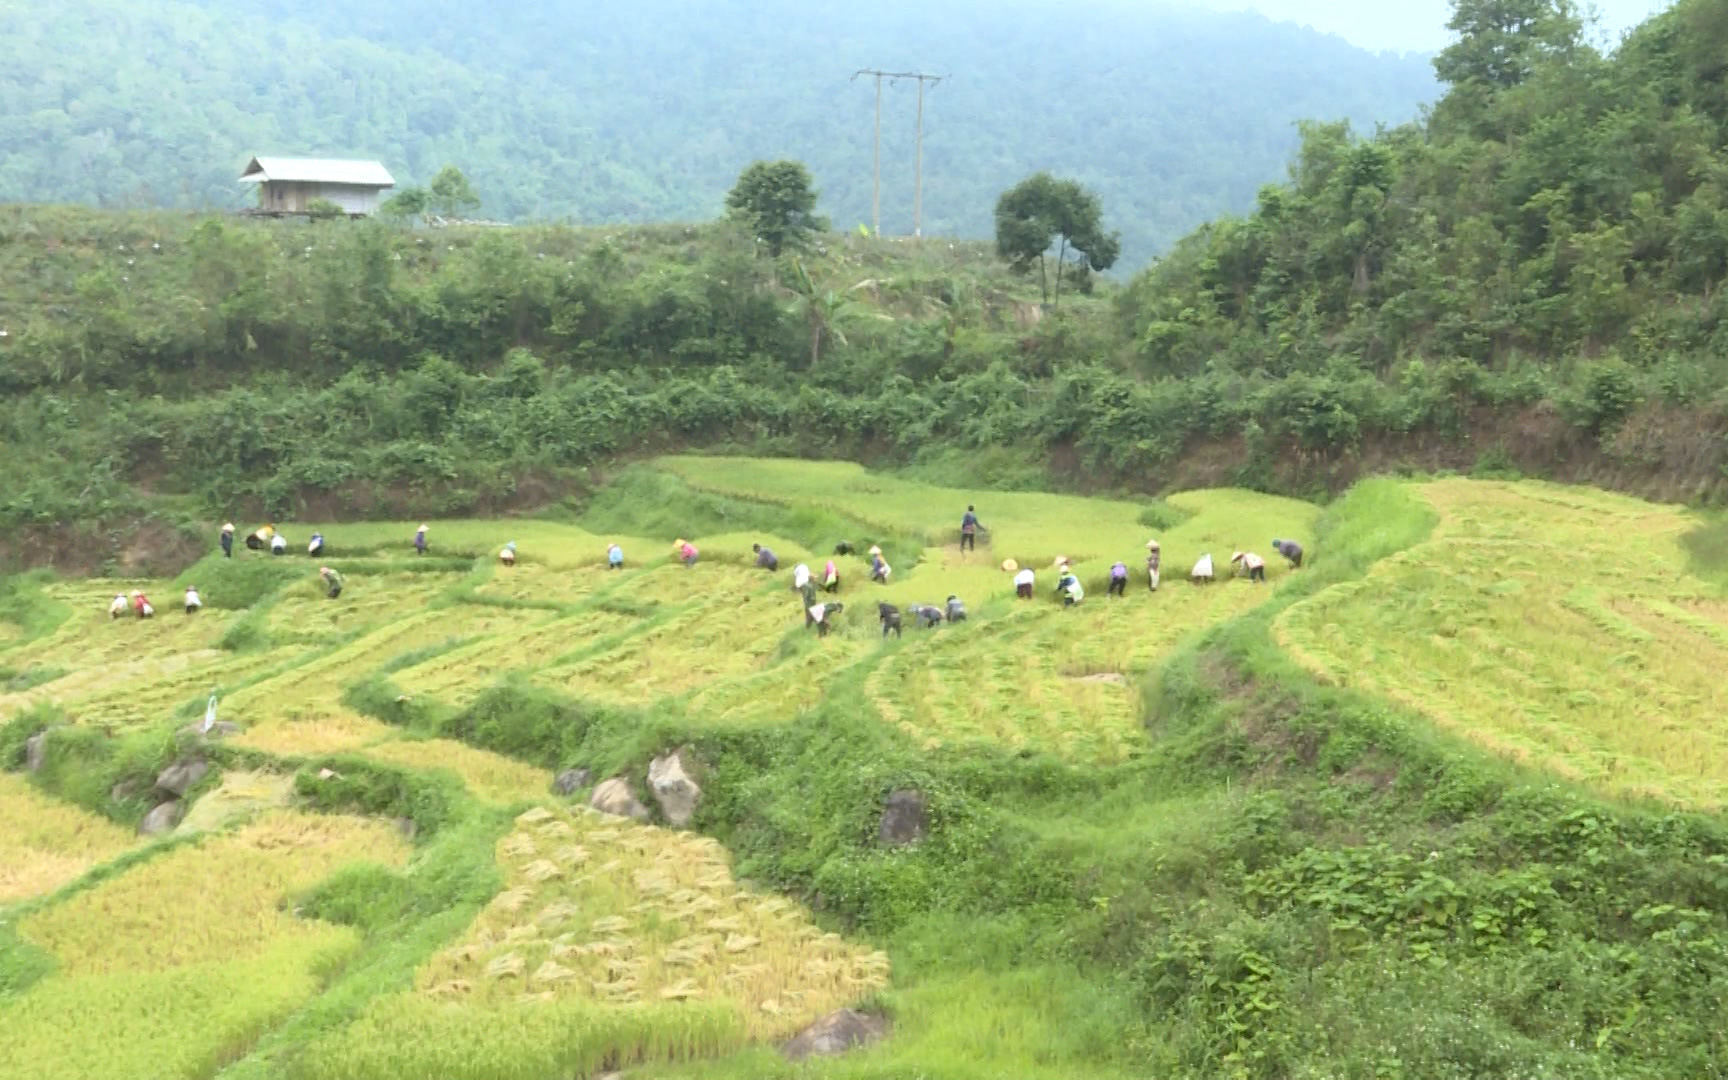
[619,915]
[163,970]
[610,941]
[47,843]
[1556,625]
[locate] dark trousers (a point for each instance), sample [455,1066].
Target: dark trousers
[1257,573]
[227,546]
[891,625]
[1024,592]
[968,540]
[1118,586]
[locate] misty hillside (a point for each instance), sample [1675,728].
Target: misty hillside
[647,111]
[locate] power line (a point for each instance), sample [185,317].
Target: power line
[918,183]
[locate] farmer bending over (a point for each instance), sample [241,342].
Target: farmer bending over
[332,582]
[1118,580]
[819,615]
[890,617]
[765,559]
[1252,563]
[1291,550]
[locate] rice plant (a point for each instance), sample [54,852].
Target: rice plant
[1556,625]
[167,969]
[45,843]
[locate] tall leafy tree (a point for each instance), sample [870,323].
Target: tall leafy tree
[1042,213]
[1500,42]
[776,200]
[451,194]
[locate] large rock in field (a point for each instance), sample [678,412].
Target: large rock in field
[36,751]
[570,781]
[675,789]
[836,1033]
[905,819]
[180,777]
[615,797]
[162,819]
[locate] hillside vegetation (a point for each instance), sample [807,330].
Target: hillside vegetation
[1155,844]
[646,112]
[1502,289]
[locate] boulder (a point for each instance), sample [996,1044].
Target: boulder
[125,789]
[675,789]
[162,819]
[180,777]
[615,797]
[905,819]
[836,1033]
[35,751]
[570,781]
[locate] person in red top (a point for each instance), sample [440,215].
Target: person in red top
[141,605]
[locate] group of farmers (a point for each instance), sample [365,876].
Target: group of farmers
[816,614]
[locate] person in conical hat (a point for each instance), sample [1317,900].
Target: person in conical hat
[118,607]
[1153,557]
[1009,566]
[193,601]
[228,540]
[420,540]
[508,555]
[332,582]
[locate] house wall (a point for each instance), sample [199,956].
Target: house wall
[292,197]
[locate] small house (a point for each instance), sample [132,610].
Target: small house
[292,185]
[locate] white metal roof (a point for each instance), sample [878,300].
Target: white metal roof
[317,171]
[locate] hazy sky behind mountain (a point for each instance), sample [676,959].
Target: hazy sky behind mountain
[1411,24]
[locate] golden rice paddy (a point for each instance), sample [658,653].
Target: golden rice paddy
[45,843]
[1557,626]
[627,915]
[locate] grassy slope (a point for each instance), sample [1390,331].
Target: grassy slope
[1269,878]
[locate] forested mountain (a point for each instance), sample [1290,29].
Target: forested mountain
[648,111]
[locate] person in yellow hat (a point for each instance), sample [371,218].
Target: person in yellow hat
[687,553]
[1154,557]
[879,568]
[228,540]
[420,540]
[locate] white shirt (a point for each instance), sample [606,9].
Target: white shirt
[118,606]
[800,576]
[192,598]
[817,611]
[1025,577]
[1203,568]
[278,544]
[1252,561]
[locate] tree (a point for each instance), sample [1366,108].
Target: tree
[451,195]
[825,311]
[1042,212]
[410,202]
[1500,42]
[776,200]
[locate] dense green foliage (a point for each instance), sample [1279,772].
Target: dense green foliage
[648,111]
[1559,204]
